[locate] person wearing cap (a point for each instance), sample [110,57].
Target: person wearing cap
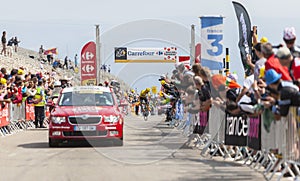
[289,37]
[272,62]
[287,92]
[292,63]
[39,105]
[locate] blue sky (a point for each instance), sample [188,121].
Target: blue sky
[69,24]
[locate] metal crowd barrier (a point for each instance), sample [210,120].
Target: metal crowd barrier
[18,117]
[272,147]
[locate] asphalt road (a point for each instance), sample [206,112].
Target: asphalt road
[152,151]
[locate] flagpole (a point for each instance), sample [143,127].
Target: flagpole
[98,60]
[192,48]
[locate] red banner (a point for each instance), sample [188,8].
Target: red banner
[88,64]
[51,51]
[185,60]
[198,53]
[29,112]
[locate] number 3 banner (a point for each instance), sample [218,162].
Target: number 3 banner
[212,42]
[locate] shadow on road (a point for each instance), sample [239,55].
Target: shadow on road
[35,145]
[81,144]
[216,171]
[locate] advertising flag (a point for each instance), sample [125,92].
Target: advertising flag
[185,60]
[245,36]
[212,42]
[88,64]
[51,51]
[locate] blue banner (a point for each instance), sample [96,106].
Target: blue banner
[212,42]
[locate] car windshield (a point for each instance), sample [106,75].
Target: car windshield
[86,99]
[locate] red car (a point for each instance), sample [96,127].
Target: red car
[86,113]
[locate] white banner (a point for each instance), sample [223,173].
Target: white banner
[145,55]
[212,42]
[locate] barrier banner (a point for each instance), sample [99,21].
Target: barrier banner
[203,118]
[4,116]
[254,134]
[47,112]
[29,112]
[236,129]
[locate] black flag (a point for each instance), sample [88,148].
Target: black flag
[245,35]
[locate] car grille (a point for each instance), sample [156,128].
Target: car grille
[85,133]
[87,120]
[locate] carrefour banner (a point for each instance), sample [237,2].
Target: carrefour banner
[145,55]
[88,64]
[212,42]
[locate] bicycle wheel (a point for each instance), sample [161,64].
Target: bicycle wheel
[145,117]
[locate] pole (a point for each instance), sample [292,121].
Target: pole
[227,61]
[192,48]
[98,54]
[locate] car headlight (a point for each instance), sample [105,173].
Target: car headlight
[58,120]
[111,119]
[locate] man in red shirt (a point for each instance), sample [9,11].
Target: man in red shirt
[293,64]
[273,62]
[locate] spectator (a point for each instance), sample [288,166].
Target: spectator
[55,64]
[260,62]
[9,47]
[66,63]
[39,105]
[104,68]
[247,87]
[16,44]
[76,60]
[49,58]
[3,41]
[286,91]
[108,69]
[293,64]
[289,37]
[196,69]
[204,94]
[41,53]
[71,67]
[273,63]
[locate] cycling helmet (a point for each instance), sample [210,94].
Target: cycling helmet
[163,82]
[148,89]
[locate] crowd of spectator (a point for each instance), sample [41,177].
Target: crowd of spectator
[10,46]
[273,83]
[271,88]
[20,86]
[105,68]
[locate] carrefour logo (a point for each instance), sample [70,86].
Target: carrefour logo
[140,53]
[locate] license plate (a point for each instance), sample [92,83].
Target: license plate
[84,128]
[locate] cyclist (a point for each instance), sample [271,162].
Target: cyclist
[144,98]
